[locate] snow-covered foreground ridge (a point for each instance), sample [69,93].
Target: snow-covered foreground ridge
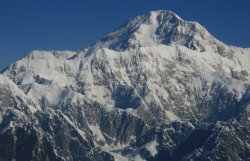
[140,93]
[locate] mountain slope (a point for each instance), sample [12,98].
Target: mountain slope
[158,88]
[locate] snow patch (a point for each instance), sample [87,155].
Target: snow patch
[171,116]
[151,147]
[138,158]
[97,132]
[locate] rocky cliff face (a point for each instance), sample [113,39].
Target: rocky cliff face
[158,88]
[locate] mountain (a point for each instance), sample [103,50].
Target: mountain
[157,88]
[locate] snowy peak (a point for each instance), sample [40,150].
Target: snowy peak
[139,31]
[162,27]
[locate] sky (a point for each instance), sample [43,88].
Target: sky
[27,25]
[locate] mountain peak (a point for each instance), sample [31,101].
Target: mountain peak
[161,27]
[164,14]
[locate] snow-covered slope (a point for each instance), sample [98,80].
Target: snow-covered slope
[12,96]
[166,78]
[143,92]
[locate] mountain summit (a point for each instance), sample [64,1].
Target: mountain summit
[158,88]
[162,27]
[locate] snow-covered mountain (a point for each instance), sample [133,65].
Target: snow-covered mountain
[157,88]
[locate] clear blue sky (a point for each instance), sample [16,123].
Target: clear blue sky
[28,25]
